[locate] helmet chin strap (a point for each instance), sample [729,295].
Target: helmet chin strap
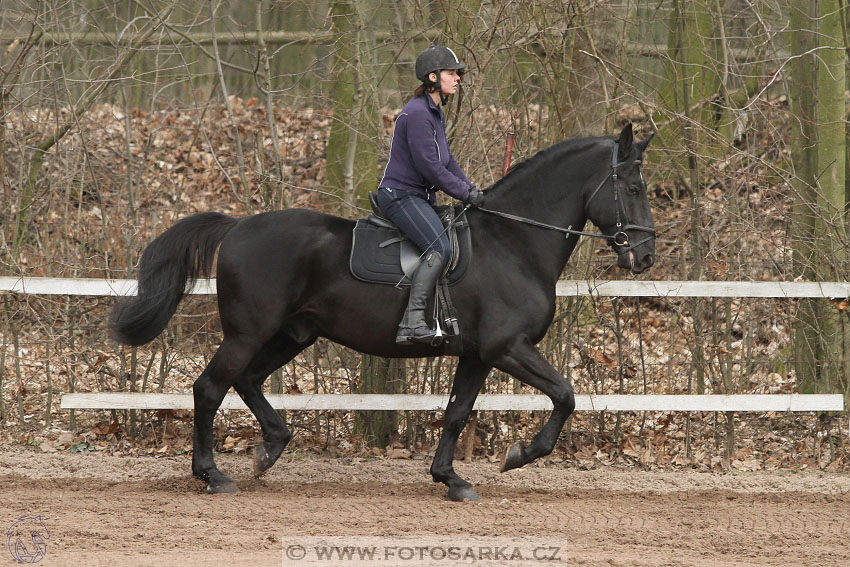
[444,98]
[437,86]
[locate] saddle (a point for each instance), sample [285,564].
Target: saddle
[381,254]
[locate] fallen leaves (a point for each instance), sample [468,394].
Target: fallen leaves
[393,453]
[105,428]
[238,442]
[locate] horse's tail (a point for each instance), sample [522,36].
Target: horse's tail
[176,257]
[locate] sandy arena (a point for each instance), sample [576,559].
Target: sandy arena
[102,510]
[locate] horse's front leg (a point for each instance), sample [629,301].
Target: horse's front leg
[523,361]
[469,377]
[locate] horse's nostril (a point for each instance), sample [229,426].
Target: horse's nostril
[648,260]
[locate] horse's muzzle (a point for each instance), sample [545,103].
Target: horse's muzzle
[634,262]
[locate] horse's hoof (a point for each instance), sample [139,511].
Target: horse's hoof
[223,488]
[514,457]
[220,483]
[262,460]
[463,494]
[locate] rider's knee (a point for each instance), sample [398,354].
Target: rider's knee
[444,249]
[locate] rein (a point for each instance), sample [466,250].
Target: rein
[620,238]
[568,231]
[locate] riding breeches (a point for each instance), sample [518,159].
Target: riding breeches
[417,219]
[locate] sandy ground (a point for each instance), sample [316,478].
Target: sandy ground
[127,511]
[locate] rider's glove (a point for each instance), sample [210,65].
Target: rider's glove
[476,197]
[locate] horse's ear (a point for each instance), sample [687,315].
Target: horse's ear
[626,139]
[643,144]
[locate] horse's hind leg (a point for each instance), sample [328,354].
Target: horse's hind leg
[469,378]
[228,363]
[523,361]
[276,435]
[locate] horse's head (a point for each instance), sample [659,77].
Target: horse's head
[619,204]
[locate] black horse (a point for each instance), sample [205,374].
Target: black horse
[283,281]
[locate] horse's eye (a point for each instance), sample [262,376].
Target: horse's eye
[634,190]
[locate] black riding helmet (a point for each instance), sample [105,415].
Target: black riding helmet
[435,59]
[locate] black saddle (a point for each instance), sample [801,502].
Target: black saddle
[381,254]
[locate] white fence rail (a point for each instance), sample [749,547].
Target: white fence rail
[565,288]
[491,402]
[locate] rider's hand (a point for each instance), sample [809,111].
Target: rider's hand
[476,197]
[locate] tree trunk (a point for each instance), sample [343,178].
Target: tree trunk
[379,376]
[830,235]
[276,191]
[690,84]
[804,150]
[819,154]
[352,171]
[352,159]
[691,80]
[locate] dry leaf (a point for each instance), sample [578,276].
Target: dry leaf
[393,453]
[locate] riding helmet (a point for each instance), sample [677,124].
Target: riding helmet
[435,59]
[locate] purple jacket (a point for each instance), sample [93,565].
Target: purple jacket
[420,160]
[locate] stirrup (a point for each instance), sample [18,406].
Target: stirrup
[408,336]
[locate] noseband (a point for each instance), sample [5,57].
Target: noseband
[620,238]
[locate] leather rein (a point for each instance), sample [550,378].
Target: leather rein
[620,238]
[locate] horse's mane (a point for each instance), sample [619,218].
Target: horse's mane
[559,150]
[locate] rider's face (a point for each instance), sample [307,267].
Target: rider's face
[449,80]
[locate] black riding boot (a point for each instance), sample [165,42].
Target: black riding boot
[413,327]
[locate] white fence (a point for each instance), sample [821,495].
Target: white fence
[497,402]
[565,288]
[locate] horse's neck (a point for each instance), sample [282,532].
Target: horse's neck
[551,194]
[551,199]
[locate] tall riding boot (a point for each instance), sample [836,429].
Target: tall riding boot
[413,327]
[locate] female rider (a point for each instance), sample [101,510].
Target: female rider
[420,164]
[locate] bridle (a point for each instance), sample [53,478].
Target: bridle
[620,238]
